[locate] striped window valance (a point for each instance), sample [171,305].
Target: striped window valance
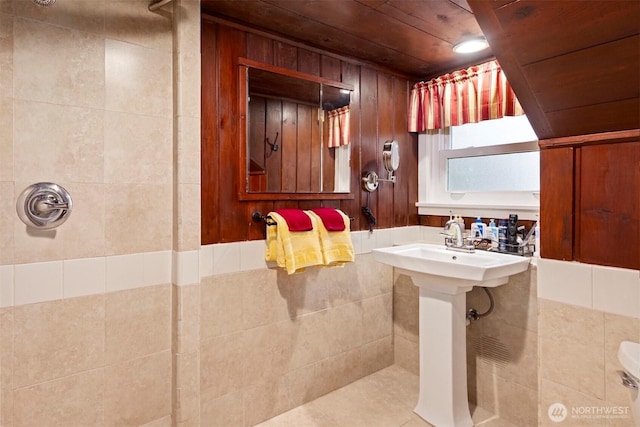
[478,93]
[339,127]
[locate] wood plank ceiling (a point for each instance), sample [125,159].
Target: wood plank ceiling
[574,64]
[411,37]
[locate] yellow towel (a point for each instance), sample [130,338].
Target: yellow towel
[337,247]
[293,251]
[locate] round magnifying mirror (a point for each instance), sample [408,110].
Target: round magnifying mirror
[391,156]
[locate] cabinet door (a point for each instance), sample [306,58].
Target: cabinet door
[608,227]
[556,204]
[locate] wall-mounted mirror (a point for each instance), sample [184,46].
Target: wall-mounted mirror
[296,135]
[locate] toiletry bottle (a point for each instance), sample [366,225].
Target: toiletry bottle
[481,227]
[502,234]
[536,233]
[477,229]
[492,234]
[475,232]
[512,233]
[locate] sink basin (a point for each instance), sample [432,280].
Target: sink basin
[444,277]
[437,260]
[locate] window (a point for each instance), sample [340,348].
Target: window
[488,169]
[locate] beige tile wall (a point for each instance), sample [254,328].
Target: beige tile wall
[501,348]
[578,361]
[86,101]
[270,342]
[93,360]
[585,311]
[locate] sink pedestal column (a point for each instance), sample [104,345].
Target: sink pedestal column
[443,359]
[443,399]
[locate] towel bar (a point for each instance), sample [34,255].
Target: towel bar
[257,217]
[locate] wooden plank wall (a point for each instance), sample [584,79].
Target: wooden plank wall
[378,113]
[295,129]
[590,204]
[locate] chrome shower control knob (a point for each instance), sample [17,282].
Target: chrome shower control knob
[44,205]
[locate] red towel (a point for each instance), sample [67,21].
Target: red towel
[331,218]
[296,219]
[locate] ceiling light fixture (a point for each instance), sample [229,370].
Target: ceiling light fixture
[475,44]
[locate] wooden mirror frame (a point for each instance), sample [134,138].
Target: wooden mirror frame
[243,193]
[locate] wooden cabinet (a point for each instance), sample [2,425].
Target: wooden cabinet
[590,206]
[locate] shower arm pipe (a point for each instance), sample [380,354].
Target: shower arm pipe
[153,6]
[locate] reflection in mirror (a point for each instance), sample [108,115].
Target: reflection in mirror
[297,134]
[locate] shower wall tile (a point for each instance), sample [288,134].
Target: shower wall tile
[188,146]
[73,400]
[185,268]
[616,290]
[187,384]
[377,317]
[157,268]
[265,400]
[138,80]
[226,410]
[57,143]
[552,392]
[138,391]
[166,422]
[222,365]
[37,282]
[130,21]
[186,21]
[186,319]
[58,65]
[571,347]
[83,277]
[6,133]
[148,212]
[33,245]
[137,323]
[188,78]
[58,339]
[138,149]
[310,341]
[375,278]
[187,214]
[262,300]
[226,258]
[83,235]
[567,282]
[513,356]
[124,272]
[7,215]
[189,89]
[221,312]
[83,15]
[6,366]
[266,353]
[6,286]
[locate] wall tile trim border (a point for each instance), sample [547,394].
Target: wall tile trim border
[48,281]
[607,289]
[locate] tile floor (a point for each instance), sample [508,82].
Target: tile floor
[383,399]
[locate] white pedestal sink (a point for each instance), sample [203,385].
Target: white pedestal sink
[444,277]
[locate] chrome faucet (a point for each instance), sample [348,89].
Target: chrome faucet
[454,239]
